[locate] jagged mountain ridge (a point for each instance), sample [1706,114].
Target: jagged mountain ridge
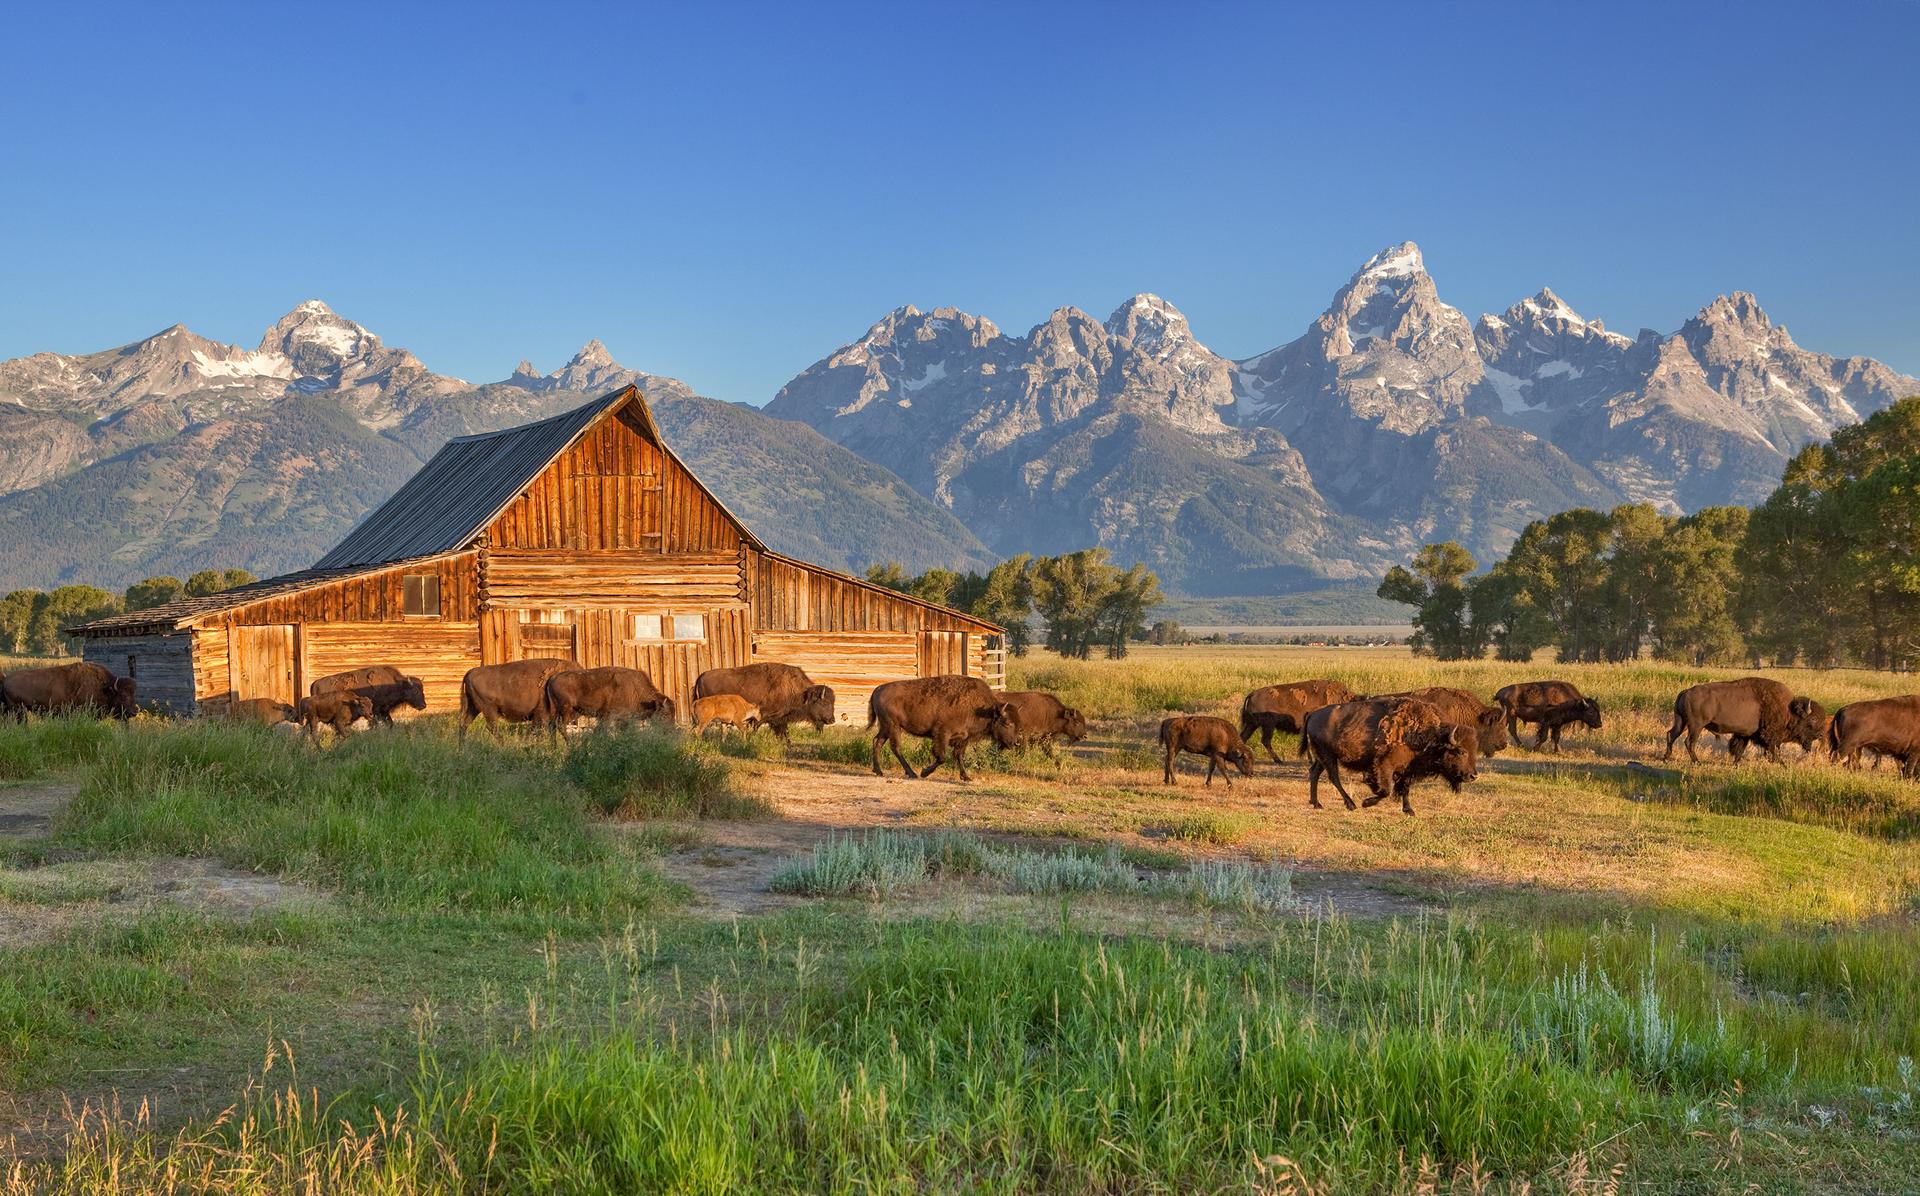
[177,453]
[1392,419]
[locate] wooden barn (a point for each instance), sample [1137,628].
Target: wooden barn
[579,536]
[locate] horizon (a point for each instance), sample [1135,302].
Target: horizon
[446,189]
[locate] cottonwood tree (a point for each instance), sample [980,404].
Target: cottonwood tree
[215,581]
[145,595]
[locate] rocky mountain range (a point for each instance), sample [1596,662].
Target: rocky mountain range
[178,453]
[1393,419]
[936,438]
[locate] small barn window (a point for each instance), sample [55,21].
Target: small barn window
[648,627]
[689,627]
[422,594]
[131,675]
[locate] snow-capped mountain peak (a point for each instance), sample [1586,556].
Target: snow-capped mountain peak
[1395,261]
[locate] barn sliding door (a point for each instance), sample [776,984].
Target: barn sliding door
[943,652]
[263,663]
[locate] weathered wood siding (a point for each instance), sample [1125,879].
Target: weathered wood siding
[792,597]
[212,680]
[615,489]
[439,654]
[372,597]
[852,662]
[617,577]
[596,636]
[161,667]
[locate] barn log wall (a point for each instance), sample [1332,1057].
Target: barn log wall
[438,653]
[212,683]
[623,578]
[372,597]
[161,667]
[788,596]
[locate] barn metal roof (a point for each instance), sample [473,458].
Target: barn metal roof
[462,489]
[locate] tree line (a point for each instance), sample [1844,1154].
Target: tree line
[1825,572]
[30,620]
[1083,599]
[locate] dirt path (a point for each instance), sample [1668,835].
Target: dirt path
[730,864]
[43,900]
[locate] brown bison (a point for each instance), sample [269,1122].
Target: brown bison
[408,691]
[374,674]
[1531,701]
[1285,708]
[1749,710]
[948,711]
[1393,742]
[339,710]
[515,692]
[610,692]
[783,693]
[67,687]
[1204,735]
[727,710]
[1041,717]
[1457,706]
[1884,726]
[265,711]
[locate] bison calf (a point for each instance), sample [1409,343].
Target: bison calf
[1553,719]
[373,674]
[265,711]
[1531,702]
[728,710]
[949,712]
[1041,718]
[783,693]
[339,710]
[1204,735]
[388,697]
[1393,742]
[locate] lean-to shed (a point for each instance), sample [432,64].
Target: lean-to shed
[579,536]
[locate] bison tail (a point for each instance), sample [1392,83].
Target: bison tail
[873,712]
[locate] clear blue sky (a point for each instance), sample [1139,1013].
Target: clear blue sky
[726,193]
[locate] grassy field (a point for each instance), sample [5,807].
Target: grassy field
[400,964]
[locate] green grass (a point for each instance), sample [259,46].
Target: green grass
[48,745]
[647,773]
[881,863]
[407,819]
[1210,826]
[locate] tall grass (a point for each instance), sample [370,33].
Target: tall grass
[880,863]
[45,745]
[647,773]
[407,818]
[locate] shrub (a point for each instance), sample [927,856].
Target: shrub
[647,773]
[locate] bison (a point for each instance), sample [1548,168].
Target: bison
[1749,710]
[339,710]
[1553,719]
[374,674]
[1529,702]
[1285,708]
[68,687]
[1204,735]
[611,692]
[1457,706]
[265,711]
[386,698]
[728,710]
[1393,742]
[1041,717]
[783,693]
[1884,726]
[515,692]
[949,711]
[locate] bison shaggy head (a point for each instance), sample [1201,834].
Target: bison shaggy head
[1490,725]
[1590,713]
[1240,758]
[1453,752]
[816,705]
[121,701]
[413,693]
[1073,724]
[665,708]
[1806,722]
[1003,723]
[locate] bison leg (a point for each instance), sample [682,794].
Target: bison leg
[1737,747]
[960,756]
[1266,741]
[1213,761]
[1557,728]
[1166,777]
[1313,783]
[940,747]
[1674,731]
[893,737]
[1513,729]
[1333,774]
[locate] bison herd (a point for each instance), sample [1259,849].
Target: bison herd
[1389,740]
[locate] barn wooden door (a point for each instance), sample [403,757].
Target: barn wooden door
[543,640]
[943,652]
[263,663]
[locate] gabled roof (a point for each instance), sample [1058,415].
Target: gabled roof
[463,488]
